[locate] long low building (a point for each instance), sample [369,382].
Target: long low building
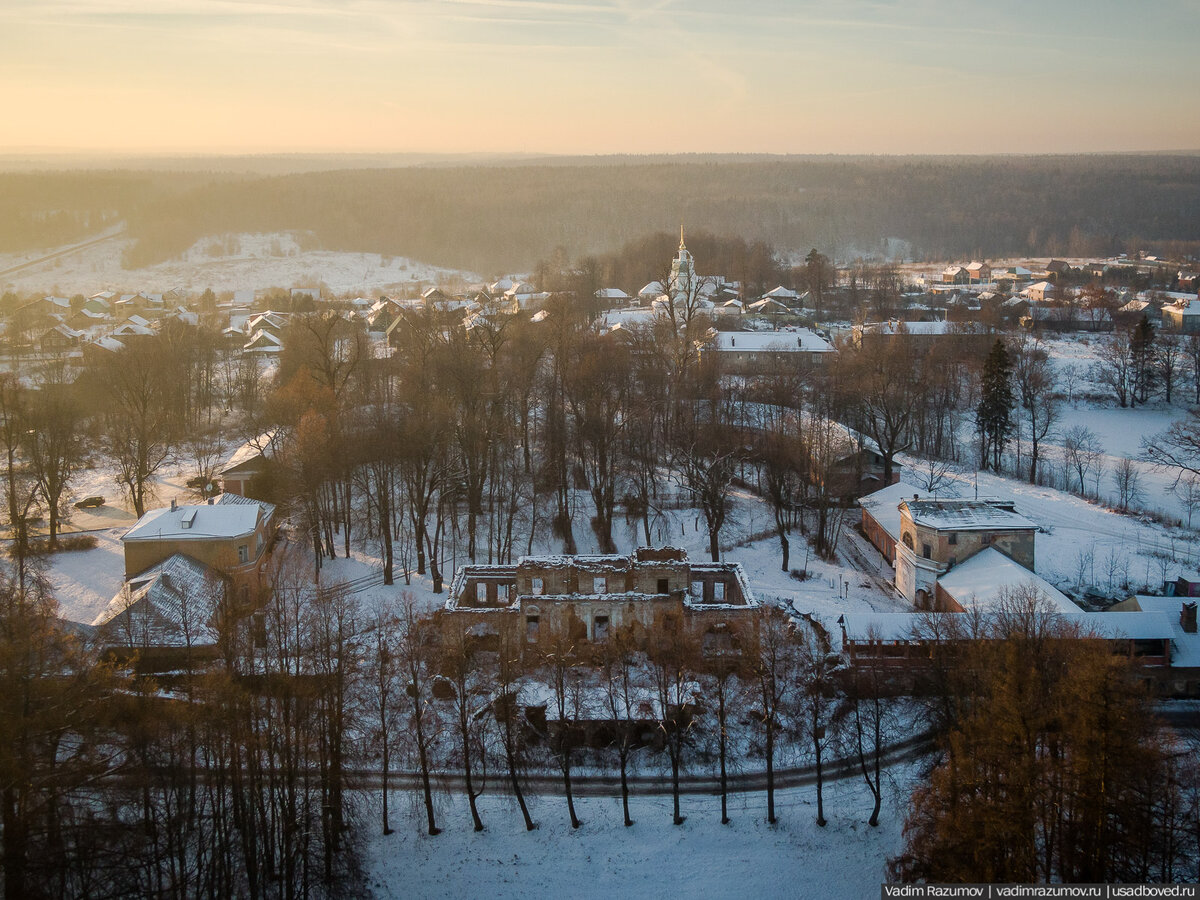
[906,639]
[749,352]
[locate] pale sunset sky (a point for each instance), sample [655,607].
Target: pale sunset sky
[599,76]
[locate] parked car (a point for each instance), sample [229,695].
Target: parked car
[89,503]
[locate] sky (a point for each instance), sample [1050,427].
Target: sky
[599,76]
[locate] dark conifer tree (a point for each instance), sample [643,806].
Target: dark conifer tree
[993,416]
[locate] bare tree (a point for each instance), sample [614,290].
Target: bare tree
[817,700]
[1035,379]
[1081,452]
[671,651]
[773,664]
[509,712]
[619,669]
[1127,480]
[1187,489]
[461,665]
[1168,360]
[1177,449]
[1115,366]
[562,673]
[415,652]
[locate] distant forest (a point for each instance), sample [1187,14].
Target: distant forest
[507,216]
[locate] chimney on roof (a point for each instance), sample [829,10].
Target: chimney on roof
[173,505]
[1187,617]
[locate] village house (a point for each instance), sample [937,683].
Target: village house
[936,535]
[249,461]
[979,273]
[955,275]
[586,597]
[172,606]
[1182,316]
[230,534]
[1039,292]
[185,565]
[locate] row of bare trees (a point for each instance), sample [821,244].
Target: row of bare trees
[747,697]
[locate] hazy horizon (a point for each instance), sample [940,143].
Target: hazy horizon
[596,77]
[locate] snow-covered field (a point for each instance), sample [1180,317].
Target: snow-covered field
[653,858]
[223,263]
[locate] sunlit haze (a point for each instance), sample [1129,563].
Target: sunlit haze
[601,76]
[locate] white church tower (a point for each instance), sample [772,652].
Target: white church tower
[683,274]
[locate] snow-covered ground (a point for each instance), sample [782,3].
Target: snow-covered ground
[223,263]
[653,858]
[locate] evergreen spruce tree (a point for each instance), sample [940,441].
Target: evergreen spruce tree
[993,416]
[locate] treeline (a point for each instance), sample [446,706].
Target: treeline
[500,218]
[47,209]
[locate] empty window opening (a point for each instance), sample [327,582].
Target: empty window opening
[600,628]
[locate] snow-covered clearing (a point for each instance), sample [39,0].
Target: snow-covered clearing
[85,581]
[653,858]
[224,263]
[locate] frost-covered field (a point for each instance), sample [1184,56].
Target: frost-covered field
[653,858]
[223,263]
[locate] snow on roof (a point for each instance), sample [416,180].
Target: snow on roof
[966,515]
[651,289]
[251,449]
[264,341]
[224,519]
[110,344]
[268,509]
[168,605]
[768,304]
[781,293]
[984,579]
[884,505]
[1185,652]
[611,294]
[915,627]
[799,340]
[1189,307]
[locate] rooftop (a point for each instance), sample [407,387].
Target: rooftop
[798,340]
[986,578]
[224,518]
[966,515]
